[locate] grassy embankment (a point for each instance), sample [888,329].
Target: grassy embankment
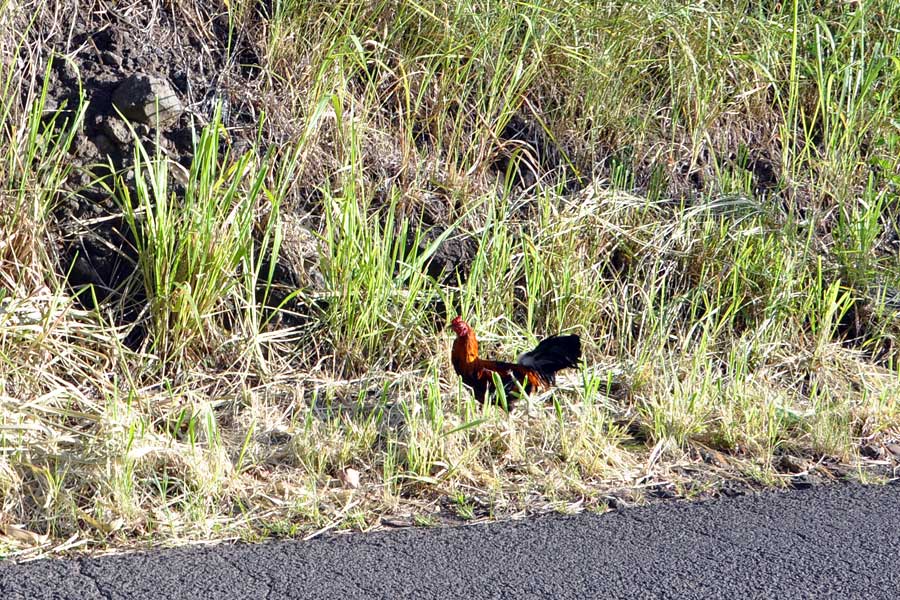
[719,309]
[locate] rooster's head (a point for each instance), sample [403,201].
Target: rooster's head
[459,326]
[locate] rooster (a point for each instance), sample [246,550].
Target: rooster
[535,370]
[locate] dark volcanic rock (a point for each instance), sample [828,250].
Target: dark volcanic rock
[147,100]
[452,258]
[116,130]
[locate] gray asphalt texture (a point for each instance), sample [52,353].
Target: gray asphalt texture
[839,541]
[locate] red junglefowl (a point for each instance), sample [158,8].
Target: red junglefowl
[535,370]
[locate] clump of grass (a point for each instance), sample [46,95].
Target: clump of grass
[192,250]
[34,172]
[715,220]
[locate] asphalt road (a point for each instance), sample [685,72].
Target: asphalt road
[839,541]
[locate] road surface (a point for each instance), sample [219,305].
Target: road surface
[840,541]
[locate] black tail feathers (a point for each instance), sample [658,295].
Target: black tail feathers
[553,354]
